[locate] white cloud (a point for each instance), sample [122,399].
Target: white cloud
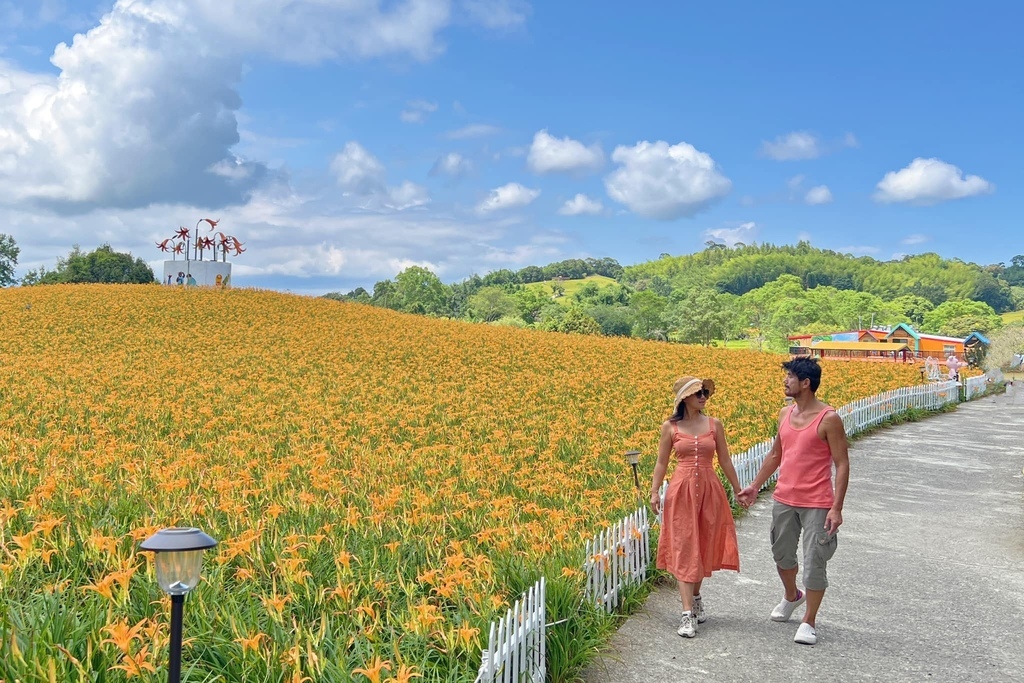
[406,196]
[496,14]
[916,238]
[744,232]
[803,237]
[474,130]
[802,145]
[796,181]
[451,164]
[792,146]
[357,171]
[144,108]
[360,174]
[930,181]
[549,154]
[656,180]
[818,195]
[580,205]
[416,111]
[510,196]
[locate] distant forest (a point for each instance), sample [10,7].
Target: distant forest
[760,293]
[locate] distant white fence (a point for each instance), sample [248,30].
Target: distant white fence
[975,386]
[620,555]
[874,410]
[516,649]
[617,557]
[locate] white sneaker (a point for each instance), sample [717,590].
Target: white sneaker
[806,635]
[784,610]
[687,625]
[698,609]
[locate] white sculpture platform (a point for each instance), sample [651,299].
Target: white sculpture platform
[197,273]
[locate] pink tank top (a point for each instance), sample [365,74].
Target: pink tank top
[805,472]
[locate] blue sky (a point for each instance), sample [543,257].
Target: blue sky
[342,142]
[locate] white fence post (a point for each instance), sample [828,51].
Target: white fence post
[516,646]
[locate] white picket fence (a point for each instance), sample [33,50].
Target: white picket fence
[620,555]
[617,557]
[516,649]
[874,410]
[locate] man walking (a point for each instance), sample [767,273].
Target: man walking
[811,437]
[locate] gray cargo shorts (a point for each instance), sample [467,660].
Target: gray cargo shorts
[818,546]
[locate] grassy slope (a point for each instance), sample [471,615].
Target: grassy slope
[571,286]
[1013,317]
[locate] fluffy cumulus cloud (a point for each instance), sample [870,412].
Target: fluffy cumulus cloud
[818,195]
[510,196]
[662,181]
[549,154]
[360,174]
[744,232]
[930,181]
[581,205]
[144,109]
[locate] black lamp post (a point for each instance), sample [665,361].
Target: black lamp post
[633,457]
[179,563]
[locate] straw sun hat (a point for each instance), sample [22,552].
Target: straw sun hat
[687,386]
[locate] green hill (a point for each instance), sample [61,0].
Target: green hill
[744,268]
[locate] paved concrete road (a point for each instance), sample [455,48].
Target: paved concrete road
[927,583]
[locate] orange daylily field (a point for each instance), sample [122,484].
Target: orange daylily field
[375,479]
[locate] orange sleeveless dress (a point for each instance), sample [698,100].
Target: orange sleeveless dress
[698,535]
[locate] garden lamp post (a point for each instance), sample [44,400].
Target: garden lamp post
[179,562]
[633,457]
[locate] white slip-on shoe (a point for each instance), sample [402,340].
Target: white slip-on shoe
[784,610]
[687,625]
[806,635]
[698,609]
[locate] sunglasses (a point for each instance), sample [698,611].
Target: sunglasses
[703,393]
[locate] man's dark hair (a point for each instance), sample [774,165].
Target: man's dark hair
[805,368]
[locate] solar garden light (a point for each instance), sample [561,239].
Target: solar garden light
[633,457]
[179,563]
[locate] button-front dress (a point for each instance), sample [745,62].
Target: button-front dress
[698,535]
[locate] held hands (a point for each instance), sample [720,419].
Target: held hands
[747,496]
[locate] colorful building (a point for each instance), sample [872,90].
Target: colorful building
[925,345]
[901,342]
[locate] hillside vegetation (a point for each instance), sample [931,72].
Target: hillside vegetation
[381,484]
[759,294]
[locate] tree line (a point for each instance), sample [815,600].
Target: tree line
[760,293]
[101,265]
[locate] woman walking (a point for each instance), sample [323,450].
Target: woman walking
[698,535]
